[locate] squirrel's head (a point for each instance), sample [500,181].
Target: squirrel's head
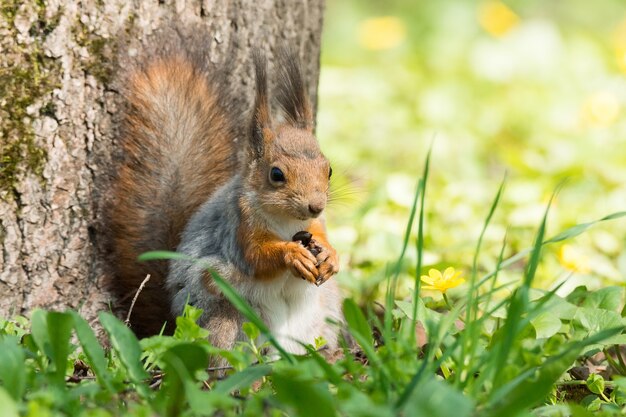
[286,169]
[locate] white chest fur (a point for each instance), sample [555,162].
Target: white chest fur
[292,309]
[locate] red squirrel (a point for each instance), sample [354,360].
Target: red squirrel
[195,181]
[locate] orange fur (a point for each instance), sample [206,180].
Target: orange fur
[263,251]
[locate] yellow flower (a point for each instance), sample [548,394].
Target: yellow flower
[497,18]
[442,282]
[602,108]
[573,259]
[381,33]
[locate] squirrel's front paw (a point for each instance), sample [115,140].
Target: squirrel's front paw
[301,262]
[327,264]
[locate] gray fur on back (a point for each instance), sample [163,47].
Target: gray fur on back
[211,236]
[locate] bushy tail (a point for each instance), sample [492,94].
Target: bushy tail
[178,143]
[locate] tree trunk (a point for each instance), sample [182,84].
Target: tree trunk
[60,112]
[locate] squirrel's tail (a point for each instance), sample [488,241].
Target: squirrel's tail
[178,142]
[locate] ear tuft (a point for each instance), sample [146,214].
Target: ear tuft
[261,118]
[292,95]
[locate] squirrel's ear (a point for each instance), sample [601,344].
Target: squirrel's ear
[261,119]
[292,95]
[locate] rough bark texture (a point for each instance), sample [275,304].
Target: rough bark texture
[60,109]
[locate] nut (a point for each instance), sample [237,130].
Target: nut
[306,239]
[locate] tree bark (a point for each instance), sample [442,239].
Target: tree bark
[60,109]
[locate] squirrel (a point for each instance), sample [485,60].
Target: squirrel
[199,178]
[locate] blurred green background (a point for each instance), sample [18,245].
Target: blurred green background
[534,89]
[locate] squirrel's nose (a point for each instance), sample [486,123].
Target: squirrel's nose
[316,208]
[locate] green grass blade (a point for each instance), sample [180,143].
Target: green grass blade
[470,336]
[128,350]
[242,379]
[357,323]
[308,398]
[93,351]
[492,289]
[581,228]
[438,399]
[182,362]
[8,407]
[535,255]
[12,370]
[492,210]
[361,331]
[517,306]
[52,331]
[419,247]
[477,365]
[393,282]
[60,329]
[330,373]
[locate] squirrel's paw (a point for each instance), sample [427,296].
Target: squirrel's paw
[301,262]
[327,264]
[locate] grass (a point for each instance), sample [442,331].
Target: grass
[533,332]
[483,354]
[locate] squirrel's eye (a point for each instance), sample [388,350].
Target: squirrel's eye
[330,172]
[276,175]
